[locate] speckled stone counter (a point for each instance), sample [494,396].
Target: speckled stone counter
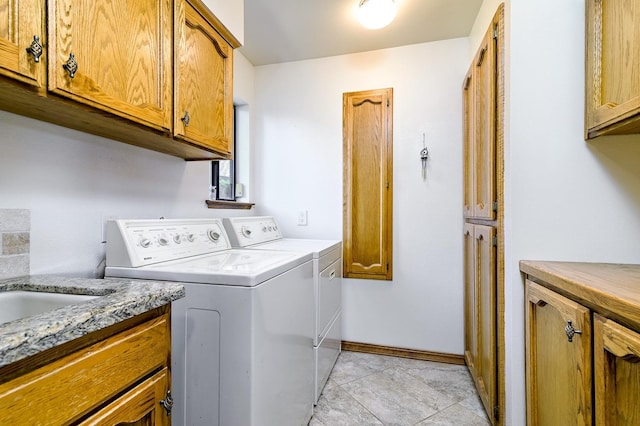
[120,300]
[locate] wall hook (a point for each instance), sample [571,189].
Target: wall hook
[424,155]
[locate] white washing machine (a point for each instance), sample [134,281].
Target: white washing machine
[263,233]
[242,337]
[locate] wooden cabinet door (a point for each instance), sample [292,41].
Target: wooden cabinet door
[122,49]
[368,179]
[558,368]
[468,92]
[486,368]
[481,312]
[479,143]
[203,82]
[140,406]
[612,96]
[484,126]
[73,386]
[470,299]
[617,373]
[20,22]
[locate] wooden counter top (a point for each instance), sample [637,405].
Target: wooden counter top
[612,290]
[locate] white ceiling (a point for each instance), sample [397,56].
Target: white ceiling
[291,30]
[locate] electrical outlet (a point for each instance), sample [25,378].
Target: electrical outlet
[302,218]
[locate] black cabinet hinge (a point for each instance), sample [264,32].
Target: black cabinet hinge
[496,413]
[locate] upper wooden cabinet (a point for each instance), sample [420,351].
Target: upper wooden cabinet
[479,97]
[612,95]
[114,55]
[122,69]
[22,41]
[203,85]
[368,184]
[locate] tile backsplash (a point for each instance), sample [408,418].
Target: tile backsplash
[15,226]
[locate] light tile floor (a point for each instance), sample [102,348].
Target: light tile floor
[365,389]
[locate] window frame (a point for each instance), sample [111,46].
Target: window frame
[215,170]
[215,180]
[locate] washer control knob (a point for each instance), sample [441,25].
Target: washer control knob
[191,237]
[246,231]
[144,242]
[163,241]
[213,235]
[264,229]
[177,238]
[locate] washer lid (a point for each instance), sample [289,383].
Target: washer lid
[246,268]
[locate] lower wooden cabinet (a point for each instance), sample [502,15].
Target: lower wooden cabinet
[582,346]
[140,406]
[119,379]
[558,366]
[617,373]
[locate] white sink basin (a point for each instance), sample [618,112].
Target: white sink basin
[21,304]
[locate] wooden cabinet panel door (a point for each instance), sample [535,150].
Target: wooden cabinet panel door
[203,82]
[140,406]
[468,92]
[558,367]
[617,373]
[479,113]
[20,22]
[486,368]
[612,63]
[484,126]
[122,49]
[368,172]
[470,299]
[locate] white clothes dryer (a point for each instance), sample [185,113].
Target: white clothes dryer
[242,337]
[263,233]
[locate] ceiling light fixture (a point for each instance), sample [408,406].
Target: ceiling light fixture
[375,14]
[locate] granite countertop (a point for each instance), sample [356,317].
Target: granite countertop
[120,299]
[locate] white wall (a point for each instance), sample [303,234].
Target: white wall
[244,93]
[71,180]
[566,199]
[298,158]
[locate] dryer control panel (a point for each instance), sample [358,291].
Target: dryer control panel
[134,243]
[247,231]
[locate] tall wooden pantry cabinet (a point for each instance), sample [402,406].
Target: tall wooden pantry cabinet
[483,101]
